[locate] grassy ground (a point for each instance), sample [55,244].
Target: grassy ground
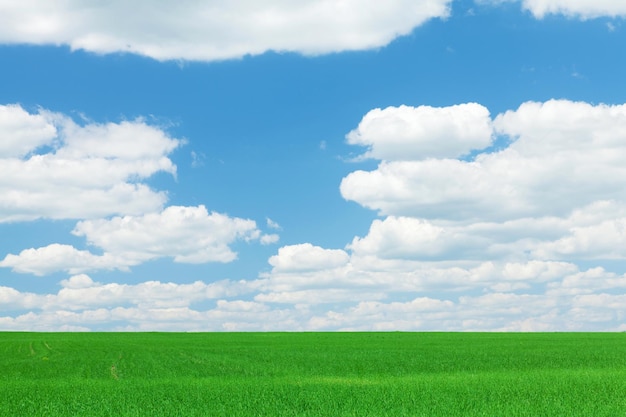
[312,374]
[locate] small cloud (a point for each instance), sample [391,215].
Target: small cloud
[611,27]
[269,239]
[197,159]
[78,282]
[323,145]
[576,74]
[272,224]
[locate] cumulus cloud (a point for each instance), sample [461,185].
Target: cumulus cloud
[57,257]
[551,168]
[269,239]
[503,250]
[414,133]
[306,257]
[411,238]
[605,240]
[212,30]
[492,242]
[554,193]
[186,234]
[22,132]
[55,168]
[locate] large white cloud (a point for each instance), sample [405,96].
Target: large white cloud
[186,234]
[414,133]
[54,168]
[411,238]
[565,155]
[213,30]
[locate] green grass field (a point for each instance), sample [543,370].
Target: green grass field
[313,374]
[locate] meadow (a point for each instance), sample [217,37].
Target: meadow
[312,374]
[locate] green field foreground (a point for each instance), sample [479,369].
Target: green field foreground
[313,374]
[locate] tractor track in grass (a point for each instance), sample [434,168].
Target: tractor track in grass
[114,374]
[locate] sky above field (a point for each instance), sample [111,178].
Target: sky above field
[313,165]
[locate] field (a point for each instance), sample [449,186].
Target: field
[313,374]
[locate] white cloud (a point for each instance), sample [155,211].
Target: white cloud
[411,238]
[82,304]
[186,234]
[374,315]
[54,168]
[57,257]
[583,9]
[306,257]
[78,281]
[415,133]
[272,224]
[80,292]
[486,244]
[269,239]
[213,30]
[605,240]
[499,252]
[580,9]
[319,296]
[22,132]
[574,300]
[565,155]
[12,299]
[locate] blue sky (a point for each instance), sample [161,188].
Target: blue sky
[408,165]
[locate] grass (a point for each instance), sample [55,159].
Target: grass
[313,374]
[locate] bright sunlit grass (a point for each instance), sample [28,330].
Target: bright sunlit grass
[312,374]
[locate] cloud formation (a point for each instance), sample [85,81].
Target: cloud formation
[415,133]
[516,247]
[571,299]
[490,242]
[186,234]
[214,30]
[54,168]
[580,9]
[583,9]
[551,168]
